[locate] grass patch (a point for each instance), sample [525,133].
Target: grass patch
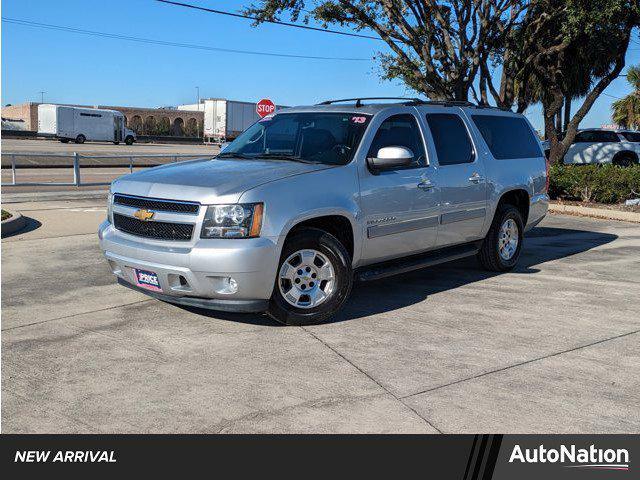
[5,215]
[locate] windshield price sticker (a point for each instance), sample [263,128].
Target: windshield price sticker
[358,119]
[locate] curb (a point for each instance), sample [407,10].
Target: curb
[601,213]
[62,195]
[13,224]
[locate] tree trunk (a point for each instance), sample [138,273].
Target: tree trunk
[567,112]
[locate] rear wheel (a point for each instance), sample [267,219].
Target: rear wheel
[80,138]
[64,140]
[128,140]
[313,280]
[501,247]
[625,160]
[116,143]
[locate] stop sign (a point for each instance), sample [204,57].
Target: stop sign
[264,107]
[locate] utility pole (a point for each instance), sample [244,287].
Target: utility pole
[198,106]
[42,96]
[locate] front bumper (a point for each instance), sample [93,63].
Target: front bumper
[196,273]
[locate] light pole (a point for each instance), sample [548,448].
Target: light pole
[42,96]
[198,106]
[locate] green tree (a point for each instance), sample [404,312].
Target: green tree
[572,49]
[438,48]
[626,111]
[510,52]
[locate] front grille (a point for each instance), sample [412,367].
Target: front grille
[157,230]
[156,204]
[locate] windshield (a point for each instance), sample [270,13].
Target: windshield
[314,137]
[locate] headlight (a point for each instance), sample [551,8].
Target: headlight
[110,208]
[232,221]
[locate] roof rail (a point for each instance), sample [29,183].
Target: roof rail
[359,100]
[414,101]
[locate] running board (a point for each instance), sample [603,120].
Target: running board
[416,262]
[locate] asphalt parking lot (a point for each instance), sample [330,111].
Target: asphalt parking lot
[552,347]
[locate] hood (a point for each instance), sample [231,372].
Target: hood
[209,180]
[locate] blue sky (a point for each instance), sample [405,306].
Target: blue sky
[75,68]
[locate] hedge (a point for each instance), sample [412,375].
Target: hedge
[594,183]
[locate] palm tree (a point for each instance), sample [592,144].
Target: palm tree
[626,111]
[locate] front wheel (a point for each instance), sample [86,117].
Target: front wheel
[502,246]
[80,138]
[313,280]
[128,140]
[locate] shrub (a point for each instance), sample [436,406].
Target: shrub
[594,183]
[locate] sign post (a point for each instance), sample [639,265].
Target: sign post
[264,107]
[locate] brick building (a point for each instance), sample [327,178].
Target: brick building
[144,121]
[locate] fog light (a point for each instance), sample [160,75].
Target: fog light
[228,286]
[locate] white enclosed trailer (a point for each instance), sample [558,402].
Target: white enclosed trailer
[224,119]
[81,124]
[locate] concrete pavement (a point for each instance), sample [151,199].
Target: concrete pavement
[550,347]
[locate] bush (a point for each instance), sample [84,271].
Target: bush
[594,183]
[4,215]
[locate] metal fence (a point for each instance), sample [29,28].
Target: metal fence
[74,159]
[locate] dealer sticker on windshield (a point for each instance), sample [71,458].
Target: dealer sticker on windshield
[148,280]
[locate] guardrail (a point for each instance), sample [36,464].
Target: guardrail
[76,157]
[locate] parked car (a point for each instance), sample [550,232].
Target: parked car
[308,199]
[80,124]
[597,145]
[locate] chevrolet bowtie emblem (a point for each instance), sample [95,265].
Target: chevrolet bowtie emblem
[144,215]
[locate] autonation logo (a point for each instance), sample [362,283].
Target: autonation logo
[589,458]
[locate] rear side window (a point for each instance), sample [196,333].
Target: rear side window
[596,136]
[631,136]
[451,139]
[507,137]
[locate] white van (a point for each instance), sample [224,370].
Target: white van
[82,124]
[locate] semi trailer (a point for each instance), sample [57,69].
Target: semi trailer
[225,119]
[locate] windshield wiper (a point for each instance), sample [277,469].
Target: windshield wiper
[233,155]
[283,156]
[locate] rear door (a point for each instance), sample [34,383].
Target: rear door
[461,178]
[66,122]
[400,206]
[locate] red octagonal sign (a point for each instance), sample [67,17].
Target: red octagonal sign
[264,107]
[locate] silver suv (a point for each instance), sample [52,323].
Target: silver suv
[310,198]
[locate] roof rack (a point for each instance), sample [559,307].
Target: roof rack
[359,100]
[409,101]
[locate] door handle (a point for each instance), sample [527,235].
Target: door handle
[425,185]
[476,178]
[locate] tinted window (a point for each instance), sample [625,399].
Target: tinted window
[596,136]
[507,137]
[451,139]
[631,136]
[399,131]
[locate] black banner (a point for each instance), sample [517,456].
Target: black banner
[456,457]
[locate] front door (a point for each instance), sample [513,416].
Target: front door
[400,206]
[461,178]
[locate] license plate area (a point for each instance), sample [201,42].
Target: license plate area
[147,279]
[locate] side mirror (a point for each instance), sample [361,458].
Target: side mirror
[391,157]
[224,146]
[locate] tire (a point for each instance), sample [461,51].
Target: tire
[129,140]
[116,143]
[625,160]
[80,138]
[326,247]
[64,140]
[489,255]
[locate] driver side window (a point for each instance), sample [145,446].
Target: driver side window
[400,131]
